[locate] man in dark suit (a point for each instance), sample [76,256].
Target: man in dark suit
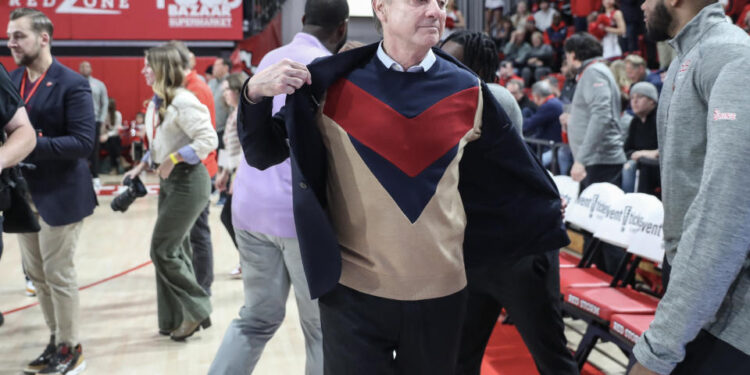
[60,108]
[15,122]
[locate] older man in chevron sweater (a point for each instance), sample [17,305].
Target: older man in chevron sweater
[405,172]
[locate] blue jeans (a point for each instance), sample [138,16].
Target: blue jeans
[270,265]
[564,159]
[628,176]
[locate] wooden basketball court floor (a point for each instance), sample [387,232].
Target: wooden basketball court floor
[118,328]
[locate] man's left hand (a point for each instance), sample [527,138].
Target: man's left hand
[563,206]
[639,369]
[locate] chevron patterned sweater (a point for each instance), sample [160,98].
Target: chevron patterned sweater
[394,142]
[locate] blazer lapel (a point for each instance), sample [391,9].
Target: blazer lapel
[46,87]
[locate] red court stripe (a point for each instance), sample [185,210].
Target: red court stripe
[123,273]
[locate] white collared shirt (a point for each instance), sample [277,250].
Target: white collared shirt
[389,63]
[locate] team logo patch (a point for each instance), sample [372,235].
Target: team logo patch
[598,84]
[727,116]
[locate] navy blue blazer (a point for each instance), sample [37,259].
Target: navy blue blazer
[511,203]
[62,111]
[545,122]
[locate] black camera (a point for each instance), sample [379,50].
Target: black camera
[136,189]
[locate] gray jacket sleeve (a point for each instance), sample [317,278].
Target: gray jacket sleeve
[102,99]
[598,95]
[716,232]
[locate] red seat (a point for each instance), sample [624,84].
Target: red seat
[572,278]
[568,260]
[630,327]
[602,303]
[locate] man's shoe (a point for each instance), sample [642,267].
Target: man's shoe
[43,360]
[30,289]
[67,361]
[2,319]
[236,273]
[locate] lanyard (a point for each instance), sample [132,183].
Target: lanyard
[33,89]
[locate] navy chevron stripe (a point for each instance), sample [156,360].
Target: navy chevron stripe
[410,194]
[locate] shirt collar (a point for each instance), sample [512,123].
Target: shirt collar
[389,63]
[696,28]
[311,40]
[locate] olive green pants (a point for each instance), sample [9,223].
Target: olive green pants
[182,197]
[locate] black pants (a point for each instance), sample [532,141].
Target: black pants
[94,157]
[361,333]
[709,355]
[530,293]
[226,218]
[609,256]
[114,149]
[203,251]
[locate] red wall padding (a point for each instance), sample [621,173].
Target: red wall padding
[121,75]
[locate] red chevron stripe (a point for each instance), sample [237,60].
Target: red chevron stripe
[410,144]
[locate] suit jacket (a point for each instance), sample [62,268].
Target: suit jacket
[545,123]
[511,203]
[62,112]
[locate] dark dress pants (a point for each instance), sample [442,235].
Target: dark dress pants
[361,333]
[708,355]
[226,218]
[94,157]
[530,293]
[203,251]
[609,256]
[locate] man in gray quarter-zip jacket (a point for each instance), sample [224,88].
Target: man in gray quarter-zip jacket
[703,120]
[593,128]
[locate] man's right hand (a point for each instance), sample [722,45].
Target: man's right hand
[564,121]
[284,77]
[578,172]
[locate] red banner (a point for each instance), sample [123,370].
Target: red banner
[137,19]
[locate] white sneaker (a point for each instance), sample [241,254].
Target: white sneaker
[97,185]
[30,289]
[236,273]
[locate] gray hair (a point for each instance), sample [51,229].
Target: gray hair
[541,89]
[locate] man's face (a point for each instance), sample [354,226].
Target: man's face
[631,73]
[85,69]
[543,5]
[25,45]
[658,20]
[414,23]
[148,73]
[570,59]
[641,104]
[220,70]
[506,70]
[515,90]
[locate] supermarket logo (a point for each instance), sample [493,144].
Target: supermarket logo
[199,13]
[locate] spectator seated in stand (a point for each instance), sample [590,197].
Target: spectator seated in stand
[501,32]
[555,36]
[539,60]
[516,87]
[642,142]
[545,15]
[544,124]
[110,137]
[637,71]
[521,16]
[517,49]
[507,73]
